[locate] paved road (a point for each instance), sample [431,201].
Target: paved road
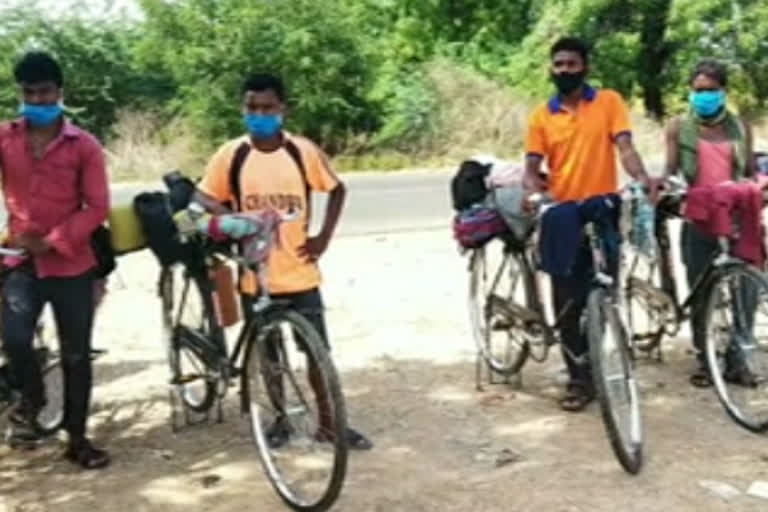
[376,203]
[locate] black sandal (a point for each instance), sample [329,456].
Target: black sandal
[86,455]
[354,439]
[741,376]
[357,441]
[701,378]
[576,398]
[278,433]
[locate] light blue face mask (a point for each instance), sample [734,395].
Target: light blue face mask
[263,126]
[40,115]
[707,103]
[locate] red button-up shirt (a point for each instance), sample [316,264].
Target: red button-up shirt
[63,196]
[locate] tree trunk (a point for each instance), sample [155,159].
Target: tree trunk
[654,52]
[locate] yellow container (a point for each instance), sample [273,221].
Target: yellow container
[127,234]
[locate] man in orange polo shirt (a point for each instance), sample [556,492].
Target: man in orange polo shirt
[577,131]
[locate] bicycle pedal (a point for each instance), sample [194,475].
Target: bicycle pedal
[185,379]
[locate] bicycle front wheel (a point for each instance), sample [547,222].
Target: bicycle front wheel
[736,345]
[616,388]
[296,407]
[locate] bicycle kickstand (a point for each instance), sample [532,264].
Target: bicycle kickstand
[479,364]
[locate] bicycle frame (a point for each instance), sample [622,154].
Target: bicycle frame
[601,278]
[668,283]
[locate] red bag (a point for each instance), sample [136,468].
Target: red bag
[476,226]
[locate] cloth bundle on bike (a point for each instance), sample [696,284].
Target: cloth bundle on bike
[485,190]
[712,209]
[256,232]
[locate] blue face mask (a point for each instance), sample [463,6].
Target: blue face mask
[40,115]
[707,103]
[263,126]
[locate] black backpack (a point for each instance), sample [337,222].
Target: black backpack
[468,185]
[101,243]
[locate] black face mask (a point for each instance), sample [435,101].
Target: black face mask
[566,83]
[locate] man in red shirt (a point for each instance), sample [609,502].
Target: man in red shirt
[56,194]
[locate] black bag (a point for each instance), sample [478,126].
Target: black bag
[468,185]
[156,216]
[101,243]
[180,190]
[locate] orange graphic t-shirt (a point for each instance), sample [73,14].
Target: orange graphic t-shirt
[274,180]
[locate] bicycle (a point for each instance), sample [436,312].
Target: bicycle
[522,320]
[202,368]
[51,416]
[728,286]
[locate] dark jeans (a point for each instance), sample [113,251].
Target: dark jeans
[697,250]
[309,303]
[72,301]
[573,290]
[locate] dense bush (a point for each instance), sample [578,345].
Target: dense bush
[418,77]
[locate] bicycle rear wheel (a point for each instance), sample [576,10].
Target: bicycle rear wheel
[188,311]
[308,464]
[497,283]
[736,345]
[616,388]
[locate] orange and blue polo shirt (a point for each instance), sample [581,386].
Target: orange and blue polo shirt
[579,145]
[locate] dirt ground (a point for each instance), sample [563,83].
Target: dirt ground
[396,308]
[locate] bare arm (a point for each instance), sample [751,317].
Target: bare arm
[336,199]
[532,180]
[210,204]
[630,159]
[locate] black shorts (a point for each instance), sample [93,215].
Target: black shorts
[308,303]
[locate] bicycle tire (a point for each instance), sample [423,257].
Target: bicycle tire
[602,318]
[176,350]
[710,347]
[314,347]
[478,314]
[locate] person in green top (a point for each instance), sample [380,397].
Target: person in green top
[707,146]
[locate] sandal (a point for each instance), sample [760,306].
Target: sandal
[701,378]
[741,376]
[354,439]
[86,455]
[278,433]
[576,398]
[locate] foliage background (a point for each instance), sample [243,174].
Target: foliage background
[378,83]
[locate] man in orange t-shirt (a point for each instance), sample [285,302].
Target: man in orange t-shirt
[577,131]
[271,176]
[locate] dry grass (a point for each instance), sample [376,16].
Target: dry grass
[146,147]
[475,115]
